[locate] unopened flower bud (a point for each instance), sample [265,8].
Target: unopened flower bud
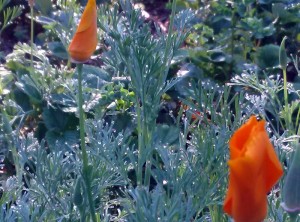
[291,188]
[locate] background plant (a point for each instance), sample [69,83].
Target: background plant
[159,115]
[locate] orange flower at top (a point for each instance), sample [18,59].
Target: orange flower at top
[254,169]
[84,42]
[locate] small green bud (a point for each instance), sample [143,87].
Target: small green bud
[291,188]
[282,54]
[77,196]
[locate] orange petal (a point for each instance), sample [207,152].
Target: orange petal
[88,16]
[254,169]
[272,166]
[240,137]
[262,151]
[249,200]
[85,40]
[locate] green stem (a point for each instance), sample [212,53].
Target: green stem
[233,25]
[166,61]
[139,178]
[170,30]
[145,136]
[146,141]
[285,93]
[140,127]
[31,35]
[86,177]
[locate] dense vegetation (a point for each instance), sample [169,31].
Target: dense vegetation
[168,85]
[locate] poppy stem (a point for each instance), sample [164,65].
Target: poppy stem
[86,171]
[285,94]
[139,178]
[31,35]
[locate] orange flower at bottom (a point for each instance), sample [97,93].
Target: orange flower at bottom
[85,39]
[254,169]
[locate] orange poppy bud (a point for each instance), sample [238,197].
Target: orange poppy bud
[84,42]
[254,169]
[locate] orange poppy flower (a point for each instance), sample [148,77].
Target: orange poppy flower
[254,169]
[84,42]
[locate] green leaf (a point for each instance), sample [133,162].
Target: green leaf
[17,67]
[57,120]
[9,15]
[257,27]
[220,22]
[22,100]
[100,73]
[265,2]
[44,20]
[65,140]
[166,134]
[27,85]
[63,99]
[187,74]
[58,49]
[77,195]
[218,56]
[94,81]
[44,6]
[180,55]
[121,121]
[267,56]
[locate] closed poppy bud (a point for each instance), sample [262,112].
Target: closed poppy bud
[253,170]
[282,54]
[291,188]
[84,42]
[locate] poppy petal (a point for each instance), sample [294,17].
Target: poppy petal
[85,40]
[88,16]
[254,169]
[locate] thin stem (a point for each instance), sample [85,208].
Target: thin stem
[166,60]
[145,132]
[140,127]
[233,25]
[170,30]
[139,178]
[285,88]
[146,144]
[285,92]
[31,35]
[86,177]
